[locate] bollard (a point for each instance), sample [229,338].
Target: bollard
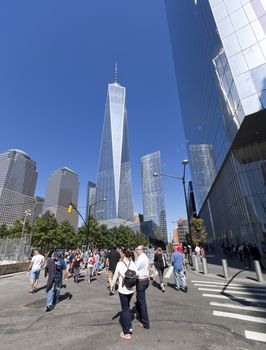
[225,268]
[196,264]
[205,266]
[258,271]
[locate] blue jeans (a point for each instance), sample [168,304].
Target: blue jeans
[180,278]
[141,305]
[53,293]
[125,316]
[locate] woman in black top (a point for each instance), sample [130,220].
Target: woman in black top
[76,267]
[160,265]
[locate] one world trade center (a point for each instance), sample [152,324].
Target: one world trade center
[113,188]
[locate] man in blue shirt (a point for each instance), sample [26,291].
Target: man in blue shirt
[54,269]
[178,262]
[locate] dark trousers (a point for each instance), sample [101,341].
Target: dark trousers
[125,316]
[141,305]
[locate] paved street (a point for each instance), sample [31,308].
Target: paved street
[209,316]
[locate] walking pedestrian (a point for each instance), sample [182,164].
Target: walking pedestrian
[150,254]
[54,269]
[160,265]
[125,292]
[113,258]
[76,267]
[178,262]
[36,264]
[142,264]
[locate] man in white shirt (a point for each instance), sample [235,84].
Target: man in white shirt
[142,265]
[35,267]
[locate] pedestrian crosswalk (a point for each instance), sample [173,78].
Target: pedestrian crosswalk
[238,301]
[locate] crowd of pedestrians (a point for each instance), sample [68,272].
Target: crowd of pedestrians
[245,253]
[129,272]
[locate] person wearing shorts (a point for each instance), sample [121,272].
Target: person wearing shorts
[34,269]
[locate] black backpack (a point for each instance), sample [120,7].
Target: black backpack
[130,278]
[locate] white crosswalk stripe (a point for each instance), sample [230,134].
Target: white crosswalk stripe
[256,336]
[229,291]
[234,295]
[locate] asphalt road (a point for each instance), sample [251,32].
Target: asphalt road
[87,317]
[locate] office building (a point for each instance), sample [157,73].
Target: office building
[38,207]
[219,53]
[191,201]
[153,192]
[114,172]
[91,194]
[62,189]
[18,179]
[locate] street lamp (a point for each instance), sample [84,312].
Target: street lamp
[183,179]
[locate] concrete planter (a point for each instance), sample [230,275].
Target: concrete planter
[13,268]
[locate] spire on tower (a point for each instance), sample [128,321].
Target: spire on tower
[116,73]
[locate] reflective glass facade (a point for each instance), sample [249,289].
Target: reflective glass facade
[153,193]
[220,60]
[62,189]
[114,173]
[91,193]
[18,179]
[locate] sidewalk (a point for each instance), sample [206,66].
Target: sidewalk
[237,270]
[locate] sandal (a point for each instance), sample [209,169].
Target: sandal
[125,336]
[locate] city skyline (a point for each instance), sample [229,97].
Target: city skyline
[53,88]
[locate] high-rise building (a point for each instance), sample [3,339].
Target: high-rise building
[91,193]
[219,52]
[191,201]
[38,207]
[62,189]
[153,193]
[18,179]
[114,173]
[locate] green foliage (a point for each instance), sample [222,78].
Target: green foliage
[197,230]
[16,230]
[47,234]
[3,231]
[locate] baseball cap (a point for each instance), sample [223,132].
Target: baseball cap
[179,248]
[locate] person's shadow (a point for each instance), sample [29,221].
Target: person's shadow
[65,296]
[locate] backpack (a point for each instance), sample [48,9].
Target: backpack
[130,278]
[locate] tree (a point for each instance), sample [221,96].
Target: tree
[67,235]
[44,232]
[197,230]
[3,231]
[16,230]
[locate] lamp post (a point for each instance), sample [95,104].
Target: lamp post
[183,179]
[86,224]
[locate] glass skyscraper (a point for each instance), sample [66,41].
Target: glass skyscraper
[114,172]
[153,193]
[219,52]
[91,193]
[18,179]
[62,189]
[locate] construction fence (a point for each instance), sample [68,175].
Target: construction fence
[15,249]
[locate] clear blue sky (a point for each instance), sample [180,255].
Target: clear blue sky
[57,57]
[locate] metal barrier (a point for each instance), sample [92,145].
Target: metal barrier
[15,249]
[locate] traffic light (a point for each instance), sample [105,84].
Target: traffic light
[70,207]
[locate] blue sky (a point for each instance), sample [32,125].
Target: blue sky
[57,57]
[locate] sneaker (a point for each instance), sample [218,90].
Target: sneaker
[34,290]
[185,289]
[141,325]
[49,308]
[176,288]
[111,292]
[125,336]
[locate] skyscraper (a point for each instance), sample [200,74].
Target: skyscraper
[114,173]
[153,193]
[62,189]
[91,193]
[219,52]
[18,179]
